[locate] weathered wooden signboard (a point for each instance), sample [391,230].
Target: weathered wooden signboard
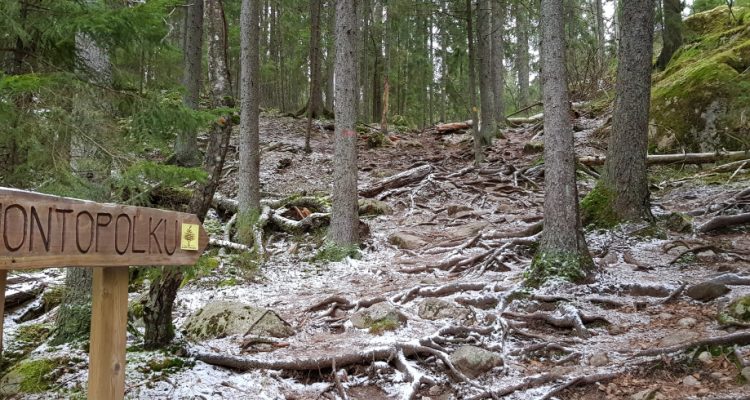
[42,231]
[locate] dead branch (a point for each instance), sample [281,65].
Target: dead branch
[396,181]
[439,291]
[739,338]
[224,244]
[686,158]
[724,221]
[581,380]
[451,127]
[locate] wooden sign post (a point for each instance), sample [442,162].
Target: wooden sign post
[42,231]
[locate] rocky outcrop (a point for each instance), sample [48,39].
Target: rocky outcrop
[224,318]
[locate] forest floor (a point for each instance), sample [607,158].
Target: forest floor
[463,234]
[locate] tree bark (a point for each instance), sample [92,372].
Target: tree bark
[522,54]
[157,312]
[73,319]
[625,172]
[249,170]
[672,33]
[315,102]
[486,83]
[345,218]
[601,45]
[186,146]
[478,148]
[562,247]
[498,60]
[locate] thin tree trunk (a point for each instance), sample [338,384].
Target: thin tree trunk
[384,116]
[344,216]
[672,33]
[478,151]
[522,54]
[248,194]
[625,172]
[486,83]
[498,60]
[315,102]
[157,312]
[601,44]
[73,319]
[186,147]
[563,248]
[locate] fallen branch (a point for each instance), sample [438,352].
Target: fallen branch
[396,181]
[451,127]
[724,221]
[685,158]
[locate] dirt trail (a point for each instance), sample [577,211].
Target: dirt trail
[561,341]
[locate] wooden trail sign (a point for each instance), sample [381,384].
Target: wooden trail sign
[40,231]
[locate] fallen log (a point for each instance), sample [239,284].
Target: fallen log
[529,120]
[396,181]
[724,221]
[451,127]
[18,296]
[685,158]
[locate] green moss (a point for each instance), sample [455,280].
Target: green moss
[334,253]
[171,364]
[596,208]
[228,282]
[247,262]
[652,230]
[736,313]
[245,224]
[33,334]
[699,102]
[35,375]
[53,296]
[206,264]
[213,227]
[379,327]
[558,265]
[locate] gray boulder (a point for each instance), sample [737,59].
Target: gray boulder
[406,241]
[433,309]
[224,318]
[381,315]
[707,291]
[474,361]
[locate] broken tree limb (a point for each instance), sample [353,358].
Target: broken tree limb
[686,158]
[225,244]
[724,221]
[451,127]
[530,120]
[401,179]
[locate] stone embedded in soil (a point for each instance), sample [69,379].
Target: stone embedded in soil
[647,394]
[687,322]
[474,361]
[678,337]
[454,209]
[691,381]
[373,207]
[406,241]
[224,318]
[599,360]
[746,373]
[379,313]
[432,309]
[677,222]
[467,230]
[707,291]
[705,357]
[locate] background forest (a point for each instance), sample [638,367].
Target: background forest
[431,129]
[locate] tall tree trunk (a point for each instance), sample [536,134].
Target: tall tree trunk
[672,33]
[344,217]
[73,320]
[186,146]
[563,249]
[486,83]
[315,102]
[522,54]
[157,312]
[625,178]
[601,45]
[330,55]
[478,148]
[498,60]
[616,25]
[248,194]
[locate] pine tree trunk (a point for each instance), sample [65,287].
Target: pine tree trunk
[478,148]
[625,176]
[563,247]
[486,83]
[522,54]
[186,147]
[601,45]
[330,55]
[344,218]
[672,33]
[248,194]
[498,60]
[73,320]
[315,103]
[157,312]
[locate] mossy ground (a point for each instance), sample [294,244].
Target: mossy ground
[330,252]
[549,265]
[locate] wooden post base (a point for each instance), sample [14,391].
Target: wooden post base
[109,319]
[3,281]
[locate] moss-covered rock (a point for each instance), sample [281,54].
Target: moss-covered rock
[378,318]
[29,376]
[736,313]
[223,318]
[373,207]
[701,101]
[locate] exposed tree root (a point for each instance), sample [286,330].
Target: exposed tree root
[739,338]
[396,181]
[568,317]
[439,291]
[724,221]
